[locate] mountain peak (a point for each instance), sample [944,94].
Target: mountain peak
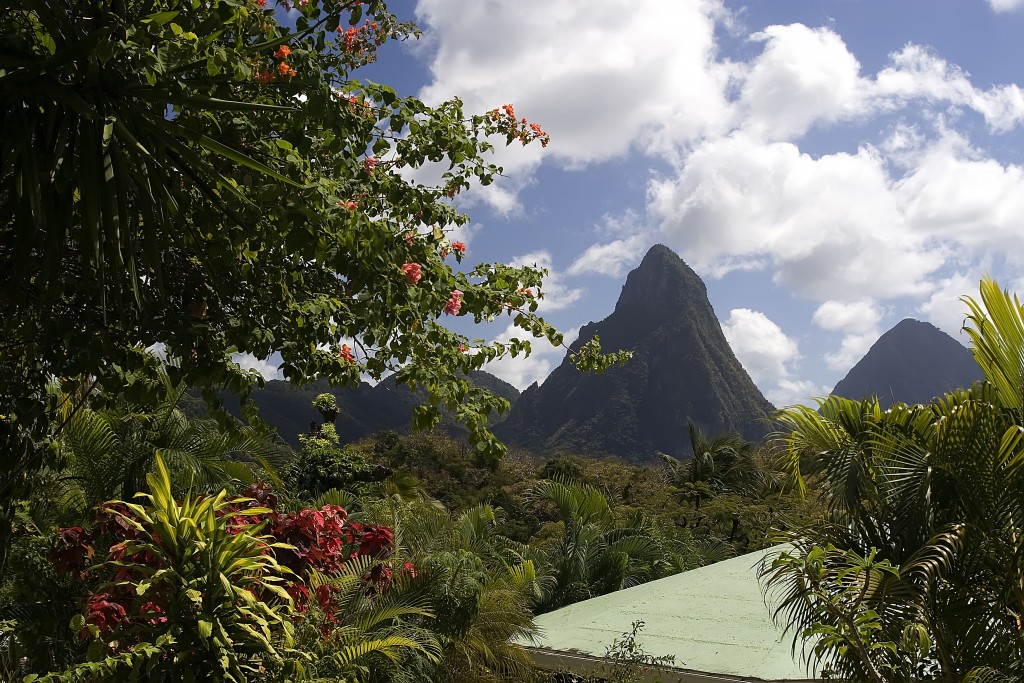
[662,282]
[682,368]
[911,363]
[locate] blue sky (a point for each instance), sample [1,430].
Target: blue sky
[827,167]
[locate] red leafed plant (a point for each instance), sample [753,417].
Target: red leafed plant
[299,544]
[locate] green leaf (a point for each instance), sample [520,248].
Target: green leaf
[161,18]
[204,628]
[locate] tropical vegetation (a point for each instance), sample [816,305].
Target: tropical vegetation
[916,572]
[210,179]
[183,183]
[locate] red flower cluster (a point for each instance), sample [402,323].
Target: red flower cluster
[321,539]
[413,272]
[459,248]
[454,303]
[357,41]
[517,129]
[281,54]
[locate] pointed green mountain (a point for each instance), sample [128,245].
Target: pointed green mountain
[911,363]
[682,367]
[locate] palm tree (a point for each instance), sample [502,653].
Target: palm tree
[917,572]
[108,453]
[596,553]
[359,635]
[719,463]
[480,586]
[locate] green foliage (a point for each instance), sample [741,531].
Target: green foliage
[223,610]
[450,470]
[38,604]
[915,573]
[593,552]
[627,661]
[328,407]
[481,586]
[322,465]
[108,451]
[201,176]
[360,634]
[723,462]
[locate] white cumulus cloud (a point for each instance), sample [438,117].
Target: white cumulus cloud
[944,308]
[857,317]
[601,78]
[768,355]
[803,76]
[829,227]
[522,371]
[1005,5]
[556,294]
[851,350]
[611,258]
[264,366]
[760,345]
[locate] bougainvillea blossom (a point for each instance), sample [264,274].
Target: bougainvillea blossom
[413,272]
[454,303]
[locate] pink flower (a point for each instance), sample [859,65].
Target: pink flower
[409,237]
[454,303]
[350,205]
[412,272]
[462,348]
[369,164]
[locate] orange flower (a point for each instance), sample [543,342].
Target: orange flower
[282,52]
[346,354]
[459,247]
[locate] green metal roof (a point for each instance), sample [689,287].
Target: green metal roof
[713,619]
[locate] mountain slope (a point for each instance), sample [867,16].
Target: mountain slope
[911,363]
[364,410]
[682,367]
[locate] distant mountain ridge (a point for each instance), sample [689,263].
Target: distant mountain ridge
[364,410]
[911,363]
[682,367]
